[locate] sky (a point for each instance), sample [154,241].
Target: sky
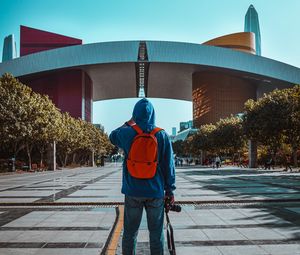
[194,21]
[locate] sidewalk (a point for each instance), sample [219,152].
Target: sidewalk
[233,229]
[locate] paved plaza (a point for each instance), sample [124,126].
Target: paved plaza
[222,229]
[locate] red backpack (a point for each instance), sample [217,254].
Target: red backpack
[142,157]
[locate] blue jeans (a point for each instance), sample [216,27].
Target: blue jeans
[132,218]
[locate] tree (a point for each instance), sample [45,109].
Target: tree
[30,120]
[70,138]
[292,130]
[265,120]
[203,140]
[15,105]
[274,119]
[48,125]
[178,148]
[228,135]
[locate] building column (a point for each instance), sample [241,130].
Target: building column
[252,145]
[51,156]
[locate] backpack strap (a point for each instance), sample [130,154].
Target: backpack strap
[155,130]
[132,124]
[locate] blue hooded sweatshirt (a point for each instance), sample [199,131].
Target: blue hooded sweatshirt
[163,183]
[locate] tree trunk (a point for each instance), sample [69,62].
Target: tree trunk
[61,160]
[92,155]
[294,156]
[28,150]
[74,158]
[252,153]
[42,157]
[17,149]
[66,160]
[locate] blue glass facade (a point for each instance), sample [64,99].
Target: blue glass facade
[9,48]
[252,25]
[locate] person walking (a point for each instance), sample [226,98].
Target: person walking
[145,185]
[288,163]
[218,161]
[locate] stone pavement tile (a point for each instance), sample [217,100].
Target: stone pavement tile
[280,196]
[182,221]
[252,212]
[289,232]
[68,251]
[260,233]
[261,215]
[205,250]
[189,235]
[294,209]
[60,219]
[199,191]
[74,236]
[269,218]
[228,214]
[282,249]
[34,236]
[242,250]
[233,217]
[259,190]
[107,220]
[6,236]
[25,193]
[202,221]
[92,199]
[202,198]
[205,217]
[18,251]
[17,200]
[179,235]
[30,220]
[93,193]
[99,236]
[223,234]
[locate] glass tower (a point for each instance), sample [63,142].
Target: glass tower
[252,25]
[9,48]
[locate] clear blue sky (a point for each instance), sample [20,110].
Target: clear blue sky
[172,20]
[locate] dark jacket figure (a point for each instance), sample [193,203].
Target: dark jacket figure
[150,193]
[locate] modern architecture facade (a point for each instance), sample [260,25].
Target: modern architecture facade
[9,48]
[252,25]
[185,125]
[218,76]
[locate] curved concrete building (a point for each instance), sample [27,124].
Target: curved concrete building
[242,41]
[218,76]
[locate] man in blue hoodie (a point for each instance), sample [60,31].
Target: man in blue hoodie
[145,193]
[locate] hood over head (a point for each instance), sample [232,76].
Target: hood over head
[144,115]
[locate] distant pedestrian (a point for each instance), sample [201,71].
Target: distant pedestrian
[288,163]
[269,163]
[218,161]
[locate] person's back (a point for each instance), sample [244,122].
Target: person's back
[148,193]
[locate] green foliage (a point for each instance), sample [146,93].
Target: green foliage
[30,120]
[274,119]
[228,135]
[179,148]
